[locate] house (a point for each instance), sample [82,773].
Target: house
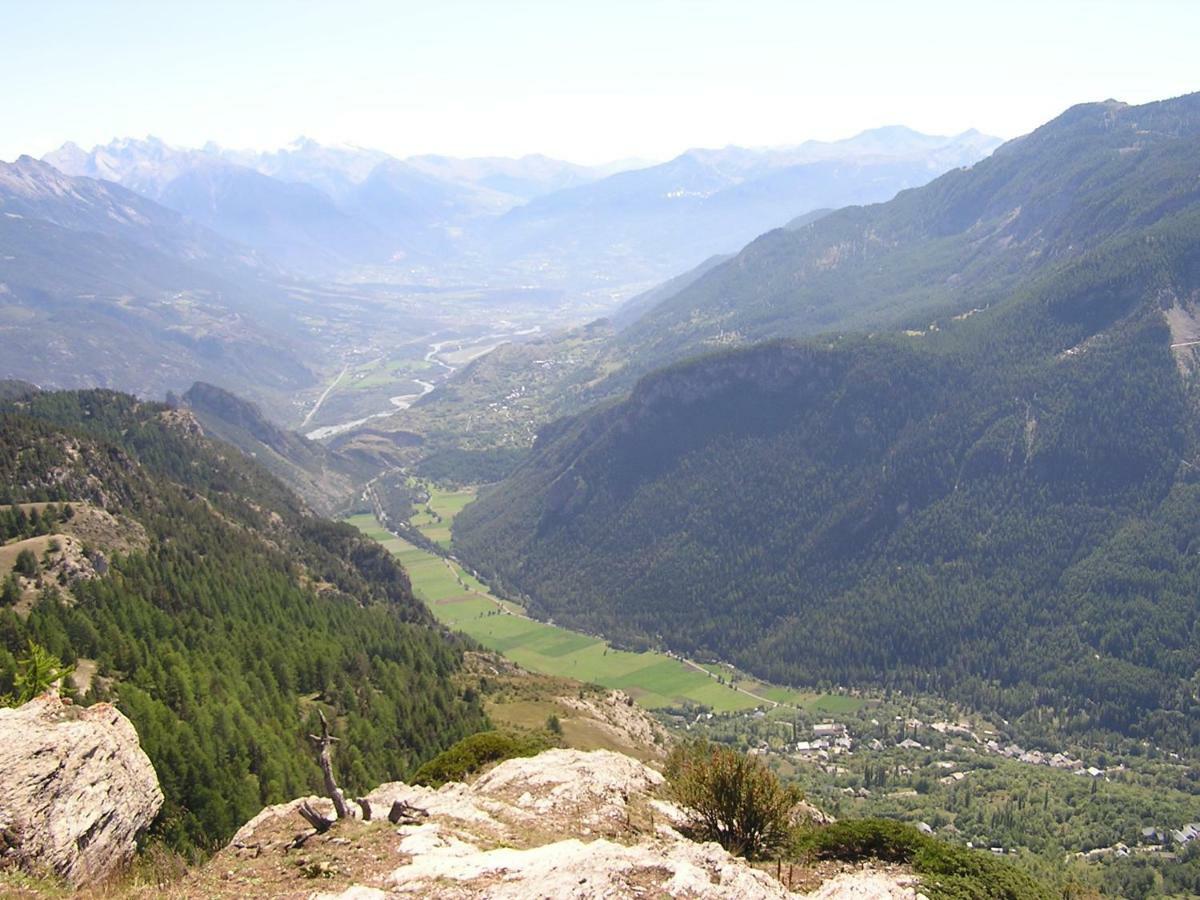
[828,729]
[1187,833]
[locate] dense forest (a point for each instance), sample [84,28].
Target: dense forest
[242,617]
[1004,509]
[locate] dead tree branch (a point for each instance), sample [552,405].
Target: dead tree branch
[314,818]
[325,741]
[404,813]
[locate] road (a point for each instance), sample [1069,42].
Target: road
[329,390]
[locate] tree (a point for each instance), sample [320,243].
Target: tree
[26,563]
[731,798]
[36,672]
[10,593]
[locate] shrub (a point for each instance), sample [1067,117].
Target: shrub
[947,872]
[732,799]
[476,751]
[854,840]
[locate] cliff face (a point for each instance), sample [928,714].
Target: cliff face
[77,789]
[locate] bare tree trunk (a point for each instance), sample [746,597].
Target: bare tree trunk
[314,818]
[366,808]
[331,787]
[403,813]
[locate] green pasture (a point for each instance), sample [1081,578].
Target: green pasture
[653,679]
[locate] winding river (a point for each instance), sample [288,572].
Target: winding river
[404,401]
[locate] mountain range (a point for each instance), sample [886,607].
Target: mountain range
[204,596]
[974,476]
[103,287]
[330,210]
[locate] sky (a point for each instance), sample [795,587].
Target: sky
[589,82]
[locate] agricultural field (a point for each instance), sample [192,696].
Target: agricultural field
[655,680]
[434,518]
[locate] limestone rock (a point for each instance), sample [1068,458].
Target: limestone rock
[565,823]
[868,885]
[76,788]
[562,824]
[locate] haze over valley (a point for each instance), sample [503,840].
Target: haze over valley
[668,450]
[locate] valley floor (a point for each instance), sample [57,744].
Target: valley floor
[656,680]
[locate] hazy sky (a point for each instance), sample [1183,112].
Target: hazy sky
[584,81]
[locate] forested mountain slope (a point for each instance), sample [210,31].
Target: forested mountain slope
[229,622]
[325,477]
[959,243]
[1006,509]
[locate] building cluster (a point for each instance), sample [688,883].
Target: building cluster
[828,739]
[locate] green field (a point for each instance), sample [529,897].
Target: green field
[434,518]
[653,679]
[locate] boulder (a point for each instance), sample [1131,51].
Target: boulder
[76,789]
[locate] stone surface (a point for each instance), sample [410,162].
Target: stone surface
[75,789]
[563,824]
[867,885]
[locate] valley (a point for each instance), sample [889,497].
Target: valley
[654,680]
[813,516]
[1060,810]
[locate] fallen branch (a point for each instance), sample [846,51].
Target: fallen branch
[404,813]
[314,818]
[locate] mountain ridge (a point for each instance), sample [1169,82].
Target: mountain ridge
[974,507]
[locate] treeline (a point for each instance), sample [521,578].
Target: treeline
[241,619]
[1004,511]
[17,525]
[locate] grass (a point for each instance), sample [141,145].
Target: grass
[461,602]
[654,679]
[435,518]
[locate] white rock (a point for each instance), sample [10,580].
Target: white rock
[77,788]
[577,869]
[867,885]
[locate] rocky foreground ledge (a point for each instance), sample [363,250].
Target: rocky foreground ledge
[563,824]
[75,789]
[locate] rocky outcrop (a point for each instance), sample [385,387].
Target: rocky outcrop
[563,824]
[77,789]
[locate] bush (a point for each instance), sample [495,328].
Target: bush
[851,841]
[732,799]
[947,872]
[476,751]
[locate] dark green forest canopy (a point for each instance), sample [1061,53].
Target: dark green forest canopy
[243,616]
[1005,510]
